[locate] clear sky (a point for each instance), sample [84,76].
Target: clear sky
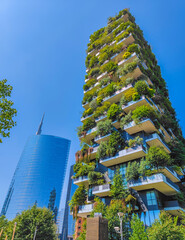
[42,54]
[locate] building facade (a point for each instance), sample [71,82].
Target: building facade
[39,176]
[128,124]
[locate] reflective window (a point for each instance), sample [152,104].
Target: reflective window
[151,198]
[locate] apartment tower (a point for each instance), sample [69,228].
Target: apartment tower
[128,125]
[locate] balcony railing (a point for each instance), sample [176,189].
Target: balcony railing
[124,156]
[174,207]
[85,210]
[102,190]
[157,181]
[80,180]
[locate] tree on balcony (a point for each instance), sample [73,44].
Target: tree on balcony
[118,189]
[157,157]
[96,178]
[143,112]
[104,127]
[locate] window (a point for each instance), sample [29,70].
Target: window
[151,198]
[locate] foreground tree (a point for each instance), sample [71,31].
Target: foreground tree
[166,228]
[138,229]
[28,221]
[7,112]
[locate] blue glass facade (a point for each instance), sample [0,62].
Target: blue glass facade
[39,175]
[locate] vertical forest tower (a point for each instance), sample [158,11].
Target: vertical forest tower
[129,127]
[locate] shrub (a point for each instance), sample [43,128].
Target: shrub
[126,120]
[102,110]
[87,60]
[93,104]
[93,61]
[144,112]
[115,143]
[99,100]
[113,111]
[78,198]
[88,96]
[107,91]
[79,131]
[88,124]
[109,67]
[94,72]
[136,96]
[87,112]
[123,100]
[133,48]
[96,35]
[132,172]
[129,81]
[105,81]
[104,127]
[142,88]
[136,141]
[122,36]
[158,157]
[95,178]
[127,68]
[177,152]
[102,150]
[84,169]
[126,55]
[128,94]
[103,57]
[89,84]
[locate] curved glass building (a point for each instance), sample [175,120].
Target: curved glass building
[39,175]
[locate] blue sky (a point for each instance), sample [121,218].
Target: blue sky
[42,54]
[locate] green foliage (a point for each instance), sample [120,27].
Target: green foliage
[78,198]
[104,127]
[101,110]
[126,120]
[103,57]
[7,112]
[93,62]
[122,36]
[138,229]
[128,95]
[99,207]
[142,88]
[177,152]
[132,171]
[118,188]
[94,72]
[82,169]
[113,111]
[104,81]
[109,67]
[88,96]
[96,35]
[88,124]
[126,55]
[127,68]
[87,112]
[142,112]
[28,221]
[135,142]
[107,91]
[133,48]
[89,84]
[158,157]
[95,178]
[116,143]
[166,228]
[102,150]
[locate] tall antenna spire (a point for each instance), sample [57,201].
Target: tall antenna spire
[40,126]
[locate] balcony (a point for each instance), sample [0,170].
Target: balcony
[93,153]
[85,210]
[166,135]
[100,139]
[174,208]
[84,118]
[102,190]
[82,180]
[171,174]
[124,156]
[146,125]
[128,40]
[90,134]
[156,181]
[117,95]
[132,58]
[101,118]
[133,104]
[155,140]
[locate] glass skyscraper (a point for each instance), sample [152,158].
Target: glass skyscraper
[39,175]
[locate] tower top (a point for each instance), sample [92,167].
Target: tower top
[40,126]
